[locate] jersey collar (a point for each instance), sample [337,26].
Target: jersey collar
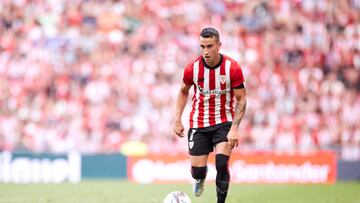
[212,67]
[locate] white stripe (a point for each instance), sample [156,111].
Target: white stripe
[206,96]
[218,97]
[228,86]
[197,96]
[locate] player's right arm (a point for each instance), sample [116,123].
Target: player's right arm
[178,127]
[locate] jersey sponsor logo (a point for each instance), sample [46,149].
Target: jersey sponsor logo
[213,92]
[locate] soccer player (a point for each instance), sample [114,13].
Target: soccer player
[215,116]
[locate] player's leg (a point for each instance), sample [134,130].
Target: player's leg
[223,151]
[198,172]
[199,147]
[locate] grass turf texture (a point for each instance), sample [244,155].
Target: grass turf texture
[106,191]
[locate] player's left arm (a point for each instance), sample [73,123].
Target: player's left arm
[239,111]
[239,90]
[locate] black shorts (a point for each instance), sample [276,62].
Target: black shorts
[201,141]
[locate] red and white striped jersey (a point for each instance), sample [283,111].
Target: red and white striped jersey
[212,102]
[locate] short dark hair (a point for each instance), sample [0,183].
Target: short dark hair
[210,32]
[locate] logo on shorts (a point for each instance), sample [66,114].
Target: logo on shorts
[191,137]
[191,144]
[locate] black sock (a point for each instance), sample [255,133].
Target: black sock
[198,172]
[222,177]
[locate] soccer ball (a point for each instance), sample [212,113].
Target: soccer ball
[177,197]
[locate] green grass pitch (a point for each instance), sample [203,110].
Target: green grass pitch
[107,191]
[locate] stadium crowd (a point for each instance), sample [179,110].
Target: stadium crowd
[91,75]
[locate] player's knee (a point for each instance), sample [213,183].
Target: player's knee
[198,172]
[222,166]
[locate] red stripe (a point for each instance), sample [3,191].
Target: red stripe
[201,103]
[212,86]
[223,96]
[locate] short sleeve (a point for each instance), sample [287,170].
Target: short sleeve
[236,75]
[188,75]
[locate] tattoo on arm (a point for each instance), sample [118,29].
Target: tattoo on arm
[240,108]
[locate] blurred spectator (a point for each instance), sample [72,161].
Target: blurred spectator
[93,75]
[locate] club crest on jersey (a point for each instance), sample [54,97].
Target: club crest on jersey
[222,79]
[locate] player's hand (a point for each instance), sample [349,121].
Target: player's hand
[233,138]
[178,128]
